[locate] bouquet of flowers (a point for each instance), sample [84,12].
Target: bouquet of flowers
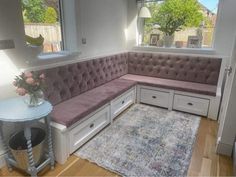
[31,84]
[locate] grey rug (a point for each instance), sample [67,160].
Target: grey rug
[145,141]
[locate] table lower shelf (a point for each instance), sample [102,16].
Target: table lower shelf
[39,167]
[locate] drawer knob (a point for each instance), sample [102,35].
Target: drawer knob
[92,125]
[190,104]
[123,102]
[154,97]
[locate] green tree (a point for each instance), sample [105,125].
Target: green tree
[52,3]
[175,15]
[34,10]
[50,15]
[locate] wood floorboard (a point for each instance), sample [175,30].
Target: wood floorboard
[204,162]
[206,167]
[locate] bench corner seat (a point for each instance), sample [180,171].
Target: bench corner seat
[192,87]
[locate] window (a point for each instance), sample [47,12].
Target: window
[196,26]
[43,17]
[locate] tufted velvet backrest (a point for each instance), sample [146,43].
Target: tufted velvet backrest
[203,70]
[71,80]
[65,82]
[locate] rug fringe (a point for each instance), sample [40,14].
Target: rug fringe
[98,164]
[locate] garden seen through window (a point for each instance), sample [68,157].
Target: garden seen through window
[180,23]
[43,24]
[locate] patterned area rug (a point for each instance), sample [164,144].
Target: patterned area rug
[145,141]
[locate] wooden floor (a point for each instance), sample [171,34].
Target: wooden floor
[205,162]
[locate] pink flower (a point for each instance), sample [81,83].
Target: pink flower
[42,76]
[14,83]
[28,74]
[21,91]
[30,81]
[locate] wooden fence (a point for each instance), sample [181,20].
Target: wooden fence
[207,34]
[50,32]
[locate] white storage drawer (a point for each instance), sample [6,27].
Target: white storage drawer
[123,102]
[87,129]
[154,97]
[190,104]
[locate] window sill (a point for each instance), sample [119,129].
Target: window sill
[56,55]
[206,51]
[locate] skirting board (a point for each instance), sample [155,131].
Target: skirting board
[224,149]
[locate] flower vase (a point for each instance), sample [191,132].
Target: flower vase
[168,40]
[34,99]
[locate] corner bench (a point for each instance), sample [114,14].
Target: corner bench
[88,95]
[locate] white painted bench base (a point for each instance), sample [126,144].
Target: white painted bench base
[198,104]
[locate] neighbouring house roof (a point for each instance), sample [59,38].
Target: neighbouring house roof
[206,9]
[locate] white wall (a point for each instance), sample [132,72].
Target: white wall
[132,30]
[103,24]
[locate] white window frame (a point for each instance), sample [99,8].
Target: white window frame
[70,24]
[69,34]
[210,51]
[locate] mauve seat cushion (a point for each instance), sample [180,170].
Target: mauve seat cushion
[76,108]
[205,89]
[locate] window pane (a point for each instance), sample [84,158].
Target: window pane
[42,17]
[197,32]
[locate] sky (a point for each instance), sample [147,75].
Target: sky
[210,4]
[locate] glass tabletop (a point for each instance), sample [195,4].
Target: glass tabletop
[16,110]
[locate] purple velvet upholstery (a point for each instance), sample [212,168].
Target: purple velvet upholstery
[205,89]
[78,89]
[76,108]
[71,80]
[176,67]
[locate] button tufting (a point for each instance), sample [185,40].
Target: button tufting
[83,76]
